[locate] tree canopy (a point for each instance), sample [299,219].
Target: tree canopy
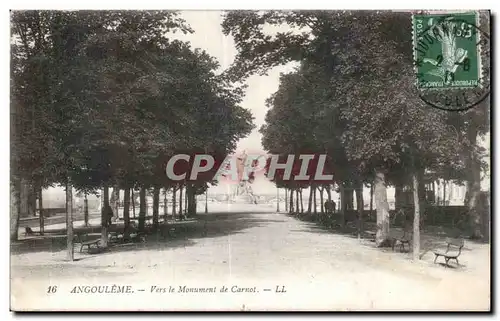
[353,95]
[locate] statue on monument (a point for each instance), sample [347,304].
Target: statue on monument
[243,188]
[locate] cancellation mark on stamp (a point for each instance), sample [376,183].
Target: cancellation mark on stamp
[449,61]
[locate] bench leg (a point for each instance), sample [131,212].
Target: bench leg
[456,259]
[435,257]
[81,249]
[447,259]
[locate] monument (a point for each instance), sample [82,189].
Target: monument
[242,192]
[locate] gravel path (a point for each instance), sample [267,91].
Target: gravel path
[253,255]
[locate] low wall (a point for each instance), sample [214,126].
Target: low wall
[434,215]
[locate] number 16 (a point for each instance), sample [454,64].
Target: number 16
[52,289]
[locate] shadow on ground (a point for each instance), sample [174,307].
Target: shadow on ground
[432,237]
[170,235]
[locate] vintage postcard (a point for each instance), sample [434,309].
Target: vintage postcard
[250,160]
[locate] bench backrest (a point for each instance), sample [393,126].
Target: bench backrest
[455,243]
[81,237]
[407,231]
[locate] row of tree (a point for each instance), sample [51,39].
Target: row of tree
[353,97]
[104,98]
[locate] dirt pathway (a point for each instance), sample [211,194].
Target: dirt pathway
[261,253]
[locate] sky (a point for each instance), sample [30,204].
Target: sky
[209,37]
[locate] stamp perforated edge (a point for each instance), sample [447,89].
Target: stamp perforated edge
[478,47]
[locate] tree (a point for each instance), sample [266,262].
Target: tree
[364,64]
[318,50]
[102,79]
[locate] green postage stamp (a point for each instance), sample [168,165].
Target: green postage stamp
[446,49]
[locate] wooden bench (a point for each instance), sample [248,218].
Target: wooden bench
[119,233]
[370,235]
[84,242]
[405,239]
[29,232]
[115,235]
[456,249]
[170,230]
[140,237]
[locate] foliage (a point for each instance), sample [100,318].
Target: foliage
[104,97]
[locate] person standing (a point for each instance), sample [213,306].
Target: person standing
[109,215]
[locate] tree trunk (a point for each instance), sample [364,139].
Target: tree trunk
[186,197]
[180,202]
[206,201]
[309,202]
[174,202]
[422,197]
[474,191]
[466,196]
[277,199]
[142,208]
[321,200]
[195,202]
[297,200]
[360,204]
[315,210]
[343,204]
[371,198]
[15,188]
[24,198]
[190,201]
[422,191]
[126,212]
[133,201]
[485,206]
[86,210]
[416,219]
[286,199]
[291,201]
[40,207]
[349,197]
[156,207]
[398,196]
[438,193]
[14,208]
[473,186]
[444,192]
[104,216]
[329,193]
[380,191]
[301,203]
[69,222]
[165,205]
[434,192]
[115,197]
[32,200]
